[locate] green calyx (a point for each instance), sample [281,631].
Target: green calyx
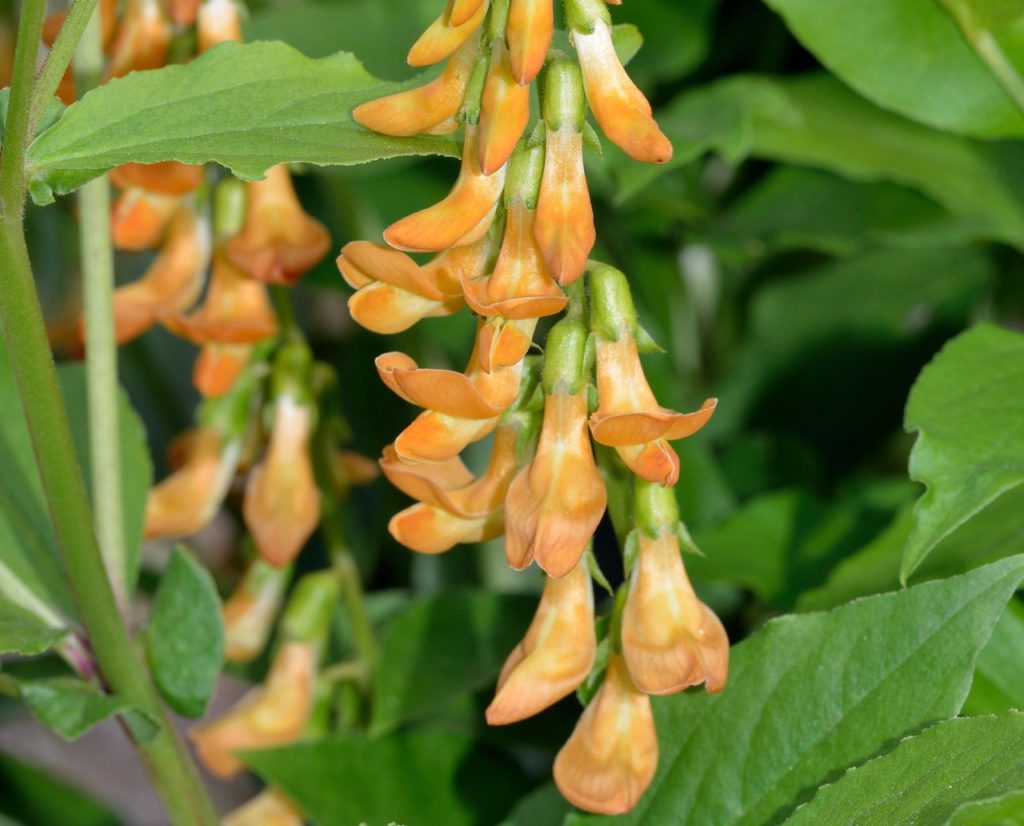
[525,170]
[565,358]
[612,312]
[564,102]
[583,15]
[656,511]
[307,618]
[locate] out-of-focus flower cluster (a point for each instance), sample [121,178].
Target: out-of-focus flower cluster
[512,241]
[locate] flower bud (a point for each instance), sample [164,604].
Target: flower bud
[463,10]
[531,23]
[504,112]
[142,39]
[556,654]
[250,611]
[279,241]
[612,754]
[442,38]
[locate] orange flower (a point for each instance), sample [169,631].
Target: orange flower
[520,286]
[531,23]
[250,611]
[459,407]
[187,500]
[218,366]
[556,502]
[268,808]
[504,111]
[164,178]
[462,217]
[610,759]
[670,639]
[172,282]
[279,241]
[394,292]
[142,39]
[273,714]
[618,105]
[425,108]
[556,654]
[183,12]
[454,506]
[502,342]
[442,37]
[236,310]
[218,22]
[463,10]
[628,416]
[282,500]
[565,219]
[140,217]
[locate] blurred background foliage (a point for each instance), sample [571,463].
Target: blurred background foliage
[802,258]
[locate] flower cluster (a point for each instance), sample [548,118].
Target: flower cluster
[512,241]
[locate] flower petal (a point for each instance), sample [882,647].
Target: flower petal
[442,38]
[531,23]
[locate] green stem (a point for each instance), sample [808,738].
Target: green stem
[25,333]
[352,596]
[97,258]
[79,15]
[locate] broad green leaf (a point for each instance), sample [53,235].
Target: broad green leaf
[882,300]
[247,107]
[544,806]
[185,636]
[1004,810]
[910,56]
[441,649]
[812,694]
[32,796]
[993,534]
[24,633]
[422,777]
[965,407]
[999,679]
[68,705]
[926,778]
[813,120]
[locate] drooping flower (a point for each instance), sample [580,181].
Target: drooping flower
[504,110]
[187,500]
[250,611]
[628,416]
[282,500]
[531,24]
[219,21]
[556,654]
[556,502]
[279,241]
[140,218]
[454,506]
[611,756]
[164,178]
[619,107]
[442,37]
[218,366]
[273,714]
[142,39]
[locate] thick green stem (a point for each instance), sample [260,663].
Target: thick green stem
[79,15]
[29,350]
[97,258]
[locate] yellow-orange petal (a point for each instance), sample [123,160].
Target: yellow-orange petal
[362,263]
[620,108]
[142,39]
[183,12]
[435,437]
[612,755]
[504,111]
[531,23]
[268,808]
[427,483]
[463,10]
[418,110]
[273,714]
[187,500]
[385,309]
[218,367]
[556,502]
[282,500]
[670,639]
[466,211]
[164,178]
[446,391]
[140,218]
[219,21]
[504,342]
[564,226]
[646,425]
[556,654]
[442,38]
[250,611]
[280,241]
[654,461]
[430,530]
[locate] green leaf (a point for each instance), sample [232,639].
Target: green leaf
[420,777]
[33,796]
[247,107]
[966,409]
[23,633]
[441,649]
[926,778]
[810,695]
[185,636]
[999,679]
[544,806]
[910,56]
[68,705]
[1004,810]
[813,120]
